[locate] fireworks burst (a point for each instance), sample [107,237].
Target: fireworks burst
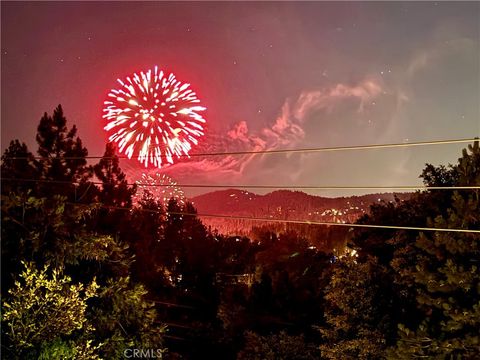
[159,187]
[154,117]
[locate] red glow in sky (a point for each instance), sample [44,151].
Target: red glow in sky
[274,75]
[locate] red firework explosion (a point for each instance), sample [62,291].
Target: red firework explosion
[159,187]
[154,117]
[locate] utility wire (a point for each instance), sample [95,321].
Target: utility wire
[304,222]
[265,152]
[228,186]
[300,222]
[307,222]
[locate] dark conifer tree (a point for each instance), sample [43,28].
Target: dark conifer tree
[44,228]
[144,232]
[446,276]
[358,311]
[114,194]
[115,190]
[62,155]
[18,163]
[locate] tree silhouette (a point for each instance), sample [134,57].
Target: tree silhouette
[447,276]
[358,311]
[18,163]
[46,225]
[62,155]
[115,190]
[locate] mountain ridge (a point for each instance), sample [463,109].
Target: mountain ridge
[283,205]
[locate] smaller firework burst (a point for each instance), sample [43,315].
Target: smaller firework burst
[160,187]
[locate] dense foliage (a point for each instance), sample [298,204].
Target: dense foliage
[87,274]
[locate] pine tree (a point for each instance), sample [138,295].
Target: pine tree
[447,277]
[45,228]
[357,312]
[123,319]
[115,190]
[187,247]
[62,155]
[144,233]
[52,231]
[18,163]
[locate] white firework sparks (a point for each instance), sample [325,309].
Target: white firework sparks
[154,117]
[159,187]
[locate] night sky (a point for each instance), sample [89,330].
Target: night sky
[272,76]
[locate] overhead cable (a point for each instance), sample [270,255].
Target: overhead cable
[299,222]
[252,186]
[275,151]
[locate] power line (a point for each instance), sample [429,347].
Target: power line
[303,222]
[292,187]
[304,187]
[266,152]
[307,222]
[298,222]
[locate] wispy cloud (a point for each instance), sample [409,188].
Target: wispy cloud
[326,99]
[286,131]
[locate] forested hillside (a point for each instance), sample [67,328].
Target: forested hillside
[88,275]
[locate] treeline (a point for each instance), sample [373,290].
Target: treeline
[84,278]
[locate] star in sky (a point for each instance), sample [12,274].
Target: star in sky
[282,68]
